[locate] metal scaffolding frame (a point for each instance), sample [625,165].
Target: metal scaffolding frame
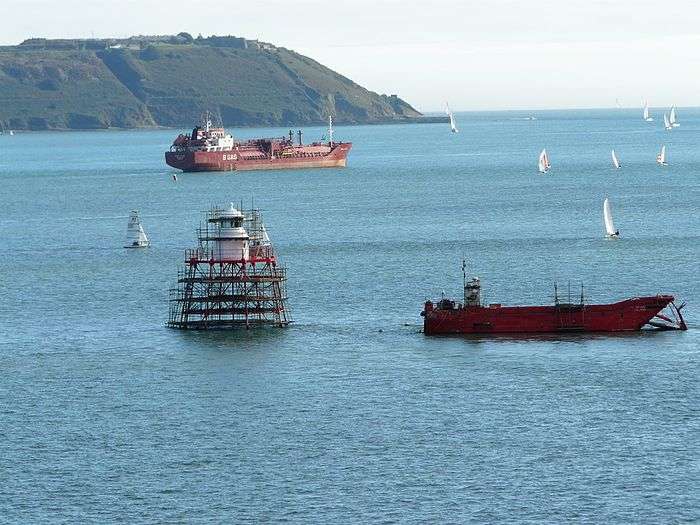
[218,293]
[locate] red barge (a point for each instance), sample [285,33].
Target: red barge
[473,317]
[209,148]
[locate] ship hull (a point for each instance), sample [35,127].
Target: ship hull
[624,316]
[197,161]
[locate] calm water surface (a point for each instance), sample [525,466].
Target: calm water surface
[351,415]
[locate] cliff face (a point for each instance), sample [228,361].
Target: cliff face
[171,81]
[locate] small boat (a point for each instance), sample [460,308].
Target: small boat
[610,230]
[673,118]
[135,236]
[661,157]
[453,122]
[615,160]
[12,133]
[544,164]
[647,117]
[667,123]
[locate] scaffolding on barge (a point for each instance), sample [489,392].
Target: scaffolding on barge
[232,279]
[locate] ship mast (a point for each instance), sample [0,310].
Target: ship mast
[464,279]
[330,130]
[472,289]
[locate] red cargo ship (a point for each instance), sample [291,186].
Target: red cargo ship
[210,149]
[472,317]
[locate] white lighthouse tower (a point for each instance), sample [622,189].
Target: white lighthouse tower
[231,241]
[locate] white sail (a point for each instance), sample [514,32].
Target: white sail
[453,122]
[615,160]
[143,238]
[667,123]
[661,157]
[135,236]
[610,230]
[543,164]
[265,237]
[647,117]
[673,119]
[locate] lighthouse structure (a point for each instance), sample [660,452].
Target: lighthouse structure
[232,279]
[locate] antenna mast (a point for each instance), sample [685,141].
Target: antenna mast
[464,279]
[330,129]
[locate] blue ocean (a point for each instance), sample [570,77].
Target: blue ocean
[351,414]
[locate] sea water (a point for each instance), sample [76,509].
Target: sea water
[352,415]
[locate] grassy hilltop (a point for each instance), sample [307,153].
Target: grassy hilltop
[172,80]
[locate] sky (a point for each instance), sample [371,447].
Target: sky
[486,55]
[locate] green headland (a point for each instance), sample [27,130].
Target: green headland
[171,80]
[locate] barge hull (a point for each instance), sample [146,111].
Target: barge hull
[624,316]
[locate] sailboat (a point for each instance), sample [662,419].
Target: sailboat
[453,123]
[647,117]
[661,157]
[667,123]
[265,237]
[615,161]
[544,164]
[673,119]
[610,230]
[135,236]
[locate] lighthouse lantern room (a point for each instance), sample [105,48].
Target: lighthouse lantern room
[230,239]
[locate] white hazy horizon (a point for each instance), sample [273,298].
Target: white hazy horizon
[490,56]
